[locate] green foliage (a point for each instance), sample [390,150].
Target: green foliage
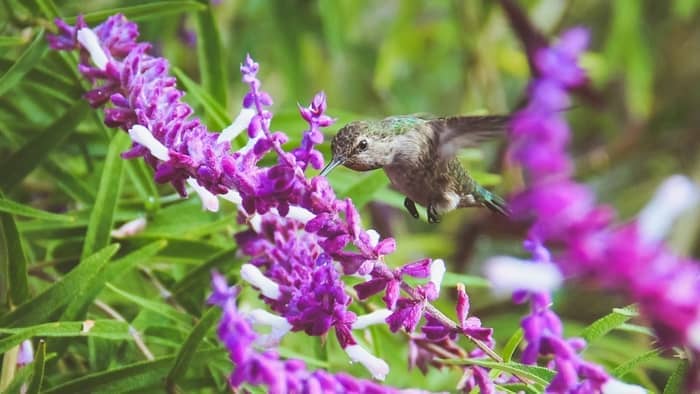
[87,300]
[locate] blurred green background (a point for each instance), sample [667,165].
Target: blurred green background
[373,59]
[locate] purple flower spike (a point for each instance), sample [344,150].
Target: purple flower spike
[265,368]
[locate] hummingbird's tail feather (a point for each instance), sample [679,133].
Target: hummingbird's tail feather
[492,201]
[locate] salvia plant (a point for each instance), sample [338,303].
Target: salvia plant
[286,290]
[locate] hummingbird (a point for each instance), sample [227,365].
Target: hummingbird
[418,156]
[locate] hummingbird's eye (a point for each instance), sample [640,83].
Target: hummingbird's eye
[362,145]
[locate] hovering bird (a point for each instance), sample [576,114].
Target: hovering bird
[419,157]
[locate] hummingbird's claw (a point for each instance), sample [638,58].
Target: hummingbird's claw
[433,216]
[411,207]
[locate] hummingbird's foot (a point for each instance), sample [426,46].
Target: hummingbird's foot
[433,216]
[411,207]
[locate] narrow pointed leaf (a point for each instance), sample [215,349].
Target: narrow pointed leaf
[39,364]
[211,56]
[186,352]
[12,261]
[108,329]
[132,377]
[608,323]
[40,308]
[82,299]
[622,369]
[102,215]
[156,9]
[26,61]
[202,273]
[70,184]
[18,209]
[674,385]
[22,162]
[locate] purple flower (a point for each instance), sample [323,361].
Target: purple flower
[628,258]
[265,368]
[297,229]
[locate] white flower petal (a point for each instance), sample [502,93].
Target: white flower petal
[130,228]
[674,196]
[301,214]
[209,201]
[508,274]
[375,365]
[376,317]
[143,136]
[437,272]
[239,124]
[233,196]
[279,326]
[373,237]
[255,277]
[88,39]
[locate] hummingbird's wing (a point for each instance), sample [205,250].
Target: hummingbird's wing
[454,133]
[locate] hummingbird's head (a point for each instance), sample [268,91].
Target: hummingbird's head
[357,147]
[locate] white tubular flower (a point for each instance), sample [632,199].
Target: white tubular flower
[373,237]
[143,136]
[130,228]
[437,272]
[508,274]
[375,365]
[239,124]
[613,386]
[209,201]
[279,326]
[88,39]
[255,277]
[301,214]
[376,317]
[233,196]
[674,196]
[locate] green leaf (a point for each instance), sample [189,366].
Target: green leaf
[10,41]
[186,352]
[202,273]
[537,374]
[143,182]
[137,376]
[102,215]
[622,369]
[19,382]
[362,191]
[12,207]
[87,294]
[675,382]
[38,369]
[156,9]
[211,56]
[23,161]
[40,308]
[26,61]
[219,119]
[512,345]
[13,262]
[608,322]
[69,183]
[157,307]
[108,329]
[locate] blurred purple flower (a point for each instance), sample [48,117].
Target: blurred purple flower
[666,287]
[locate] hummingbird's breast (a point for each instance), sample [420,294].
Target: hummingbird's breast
[417,173]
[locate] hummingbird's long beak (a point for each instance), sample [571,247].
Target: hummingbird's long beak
[335,162]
